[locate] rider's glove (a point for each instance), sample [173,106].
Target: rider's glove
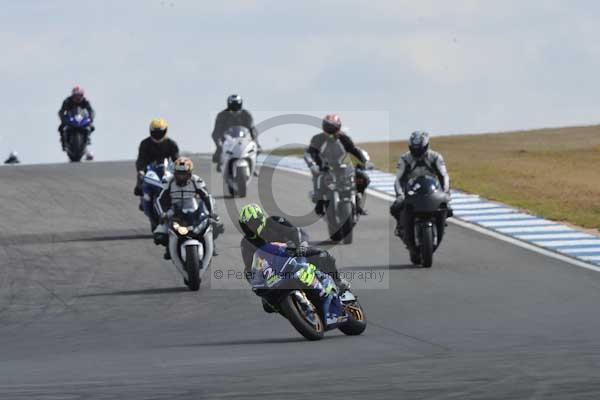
[166,215]
[290,248]
[315,170]
[302,249]
[296,250]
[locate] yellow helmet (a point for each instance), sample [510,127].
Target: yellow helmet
[183,170]
[158,129]
[252,220]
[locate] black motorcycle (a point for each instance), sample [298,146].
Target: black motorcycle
[426,208]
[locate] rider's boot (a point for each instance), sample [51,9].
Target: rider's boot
[267,307]
[320,208]
[399,231]
[342,285]
[360,206]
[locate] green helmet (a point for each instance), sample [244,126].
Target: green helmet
[252,220]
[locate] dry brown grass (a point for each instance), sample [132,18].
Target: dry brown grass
[554,173]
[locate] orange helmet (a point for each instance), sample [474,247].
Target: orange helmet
[183,170]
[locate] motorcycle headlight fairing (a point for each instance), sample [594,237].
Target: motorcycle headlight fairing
[182,230]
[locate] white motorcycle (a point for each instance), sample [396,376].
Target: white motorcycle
[191,240]
[238,160]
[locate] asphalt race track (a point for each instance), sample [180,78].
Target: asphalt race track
[88,308]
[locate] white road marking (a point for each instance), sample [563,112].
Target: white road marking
[551,227]
[542,236]
[493,217]
[456,195]
[463,200]
[499,210]
[517,223]
[591,258]
[478,206]
[582,250]
[566,243]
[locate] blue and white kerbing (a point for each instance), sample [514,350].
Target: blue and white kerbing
[499,218]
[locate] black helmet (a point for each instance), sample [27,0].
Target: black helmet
[418,144]
[234,102]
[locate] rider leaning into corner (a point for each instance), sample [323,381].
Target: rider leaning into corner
[76,99]
[183,185]
[334,143]
[259,230]
[419,160]
[233,115]
[154,148]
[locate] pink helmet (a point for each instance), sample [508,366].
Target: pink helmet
[332,124]
[77,93]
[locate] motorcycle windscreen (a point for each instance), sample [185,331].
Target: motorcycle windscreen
[188,203]
[189,209]
[79,116]
[158,168]
[422,184]
[237,132]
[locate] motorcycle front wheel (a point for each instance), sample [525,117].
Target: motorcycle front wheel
[77,143]
[192,267]
[242,181]
[357,320]
[427,246]
[344,230]
[303,315]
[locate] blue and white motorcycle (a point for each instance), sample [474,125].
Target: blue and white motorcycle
[308,298]
[77,130]
[155,179]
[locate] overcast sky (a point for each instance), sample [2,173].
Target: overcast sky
[389,67]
